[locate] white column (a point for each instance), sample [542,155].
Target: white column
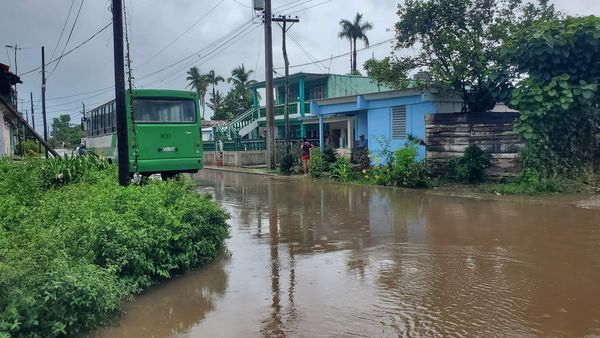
[349,133]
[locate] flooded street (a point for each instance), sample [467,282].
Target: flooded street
[310,258]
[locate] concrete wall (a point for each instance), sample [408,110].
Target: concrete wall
[237,158]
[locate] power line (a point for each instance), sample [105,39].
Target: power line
[339,55]
[309,55]
[68,38]
[242,27]
[70,51]
[63,29]
[182,34]
[303,9]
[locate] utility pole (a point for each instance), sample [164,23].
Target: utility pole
[122,140]
[16,48]
[269,85]
[32,112]
[44,98]
[286,114]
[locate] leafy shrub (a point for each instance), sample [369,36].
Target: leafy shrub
[28,148]
[72,254]
[286,164]
[472,167]
[329,154]
[65,170]
[406,170]
[318,165]
[342,170]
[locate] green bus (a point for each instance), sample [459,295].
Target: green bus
[167,129]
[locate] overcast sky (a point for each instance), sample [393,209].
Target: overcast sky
[155,25]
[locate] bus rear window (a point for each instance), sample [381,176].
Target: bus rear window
[164,111]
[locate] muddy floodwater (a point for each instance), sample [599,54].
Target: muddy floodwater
[310,258]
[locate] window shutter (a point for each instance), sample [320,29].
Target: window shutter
[399,123]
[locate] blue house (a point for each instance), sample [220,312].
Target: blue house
[390,115]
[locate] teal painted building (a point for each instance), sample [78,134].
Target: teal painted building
[303,88]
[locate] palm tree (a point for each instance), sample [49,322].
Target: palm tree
[240,78]
[214,79]
[198,82]
[215,103]
[355,30]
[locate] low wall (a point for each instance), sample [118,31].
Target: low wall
[237,158]
[448,136]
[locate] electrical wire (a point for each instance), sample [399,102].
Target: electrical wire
[63,29]
[321,67]
[339,55]
[182,34]
[70,51]
[68,39]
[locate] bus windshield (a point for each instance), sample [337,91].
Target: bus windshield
[164,111]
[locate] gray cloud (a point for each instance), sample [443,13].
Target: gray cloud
[154,24]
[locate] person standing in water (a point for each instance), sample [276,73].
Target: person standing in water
[305,151]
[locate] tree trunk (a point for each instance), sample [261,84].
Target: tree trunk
[354,57]
[351,57]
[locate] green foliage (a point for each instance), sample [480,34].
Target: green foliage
[66,170]
[318,165]
[72,251]
[472,167]
[460,43]
[329,154]
[531,182]
[28,148]
[406,170]
[558,100]
[342,170]
[287,163]
[63,131]
[355,30]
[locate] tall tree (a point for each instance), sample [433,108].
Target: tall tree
[214,79]
[216,103]
[63,131]
[460,45]
[353,31]
[199,83]
[240,79]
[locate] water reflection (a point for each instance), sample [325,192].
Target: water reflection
[174,307]
[310,258]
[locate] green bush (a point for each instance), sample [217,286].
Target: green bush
[318,165]
[287,163]
[28,148]
[72,251]
[342,170]
[472,167]
[329,154]
[406,170]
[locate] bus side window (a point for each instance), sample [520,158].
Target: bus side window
[102,121]
[114,115]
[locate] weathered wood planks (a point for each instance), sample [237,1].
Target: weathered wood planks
[447,136]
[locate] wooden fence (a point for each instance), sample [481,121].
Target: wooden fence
[448,135]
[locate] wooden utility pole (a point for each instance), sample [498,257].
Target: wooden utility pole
[44,98]
[122,140]
[16,48]
[32,112]
[286,113]
[269,87]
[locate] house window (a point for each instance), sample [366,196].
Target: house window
[319,92]
[399,123]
